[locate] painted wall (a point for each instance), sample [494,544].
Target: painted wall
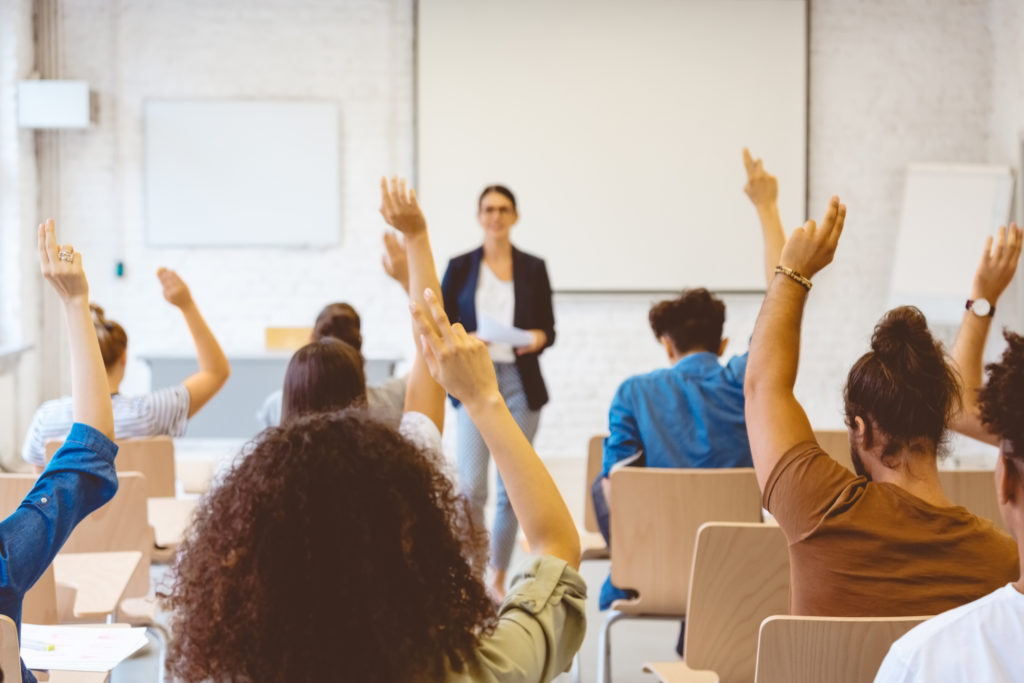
[890,83]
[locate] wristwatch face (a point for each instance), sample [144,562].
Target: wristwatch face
[981,307]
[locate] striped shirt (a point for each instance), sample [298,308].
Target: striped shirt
[161,412]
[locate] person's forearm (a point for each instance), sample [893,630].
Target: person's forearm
[538,504]
[968,353]
[210,356]
[90,392]
[775,345]
[774,237]
[423,393]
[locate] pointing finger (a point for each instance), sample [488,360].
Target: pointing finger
[748,161]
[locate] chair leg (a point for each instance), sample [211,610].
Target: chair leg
[162,637]
[604,647]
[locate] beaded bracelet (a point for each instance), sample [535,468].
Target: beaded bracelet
[795,277]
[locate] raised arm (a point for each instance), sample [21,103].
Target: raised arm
[775,420]
[995,271]
[402,212]
[461,364]
[90,393]
[214,368]
[763,190]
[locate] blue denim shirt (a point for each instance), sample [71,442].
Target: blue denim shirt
[79,479]
[688,415]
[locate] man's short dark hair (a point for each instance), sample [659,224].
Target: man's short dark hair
[693,321]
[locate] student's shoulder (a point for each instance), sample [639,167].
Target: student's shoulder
[952,626]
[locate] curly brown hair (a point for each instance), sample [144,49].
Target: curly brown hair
[693,320]
[1001,400]
[333,541]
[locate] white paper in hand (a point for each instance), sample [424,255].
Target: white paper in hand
[490,330]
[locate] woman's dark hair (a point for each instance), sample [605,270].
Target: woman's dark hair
[500,189]
[112,337]
[1001,400]
[692,321]
[339,320]
[903,385]
[323,376]
[334,544]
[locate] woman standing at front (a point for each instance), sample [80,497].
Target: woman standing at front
[511,287]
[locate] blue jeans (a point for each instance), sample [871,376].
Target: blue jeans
[473,463]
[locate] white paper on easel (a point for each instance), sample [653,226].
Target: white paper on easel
[79,648]
[490,330]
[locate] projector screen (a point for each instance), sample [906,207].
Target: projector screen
[619,126]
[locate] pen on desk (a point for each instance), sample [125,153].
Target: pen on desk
[37,645]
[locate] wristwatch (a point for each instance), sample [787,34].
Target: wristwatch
[981,307]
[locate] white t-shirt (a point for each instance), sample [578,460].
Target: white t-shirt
[495,298]
[161,412]
[980,641]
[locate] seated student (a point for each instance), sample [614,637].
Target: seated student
[164,411]
[340,321]
[982,640]
[887,541]
[691,414]
[338,549]
[81,475]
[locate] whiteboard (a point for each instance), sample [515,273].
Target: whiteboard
[241,173]
[948,210]
[619,126]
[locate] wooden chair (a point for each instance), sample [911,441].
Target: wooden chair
[10,651]
[591,540]
[287,338]
[655,516]
[740,576]
[836,442]
[835,649]
[152,456]
[976,491]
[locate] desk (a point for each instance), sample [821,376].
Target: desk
[170,518]
[232,412]
[100,579]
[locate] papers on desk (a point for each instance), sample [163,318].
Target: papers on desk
[490,330]
[79,648]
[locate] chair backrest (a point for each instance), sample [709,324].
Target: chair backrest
[10,652]
[835,649]
[41,602]
[836,442]
[121,524]
[740,577]
[595,456]
[655,514]
[287,338]
[975,490]
[153,456]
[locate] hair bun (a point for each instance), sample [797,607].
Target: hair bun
[901,332]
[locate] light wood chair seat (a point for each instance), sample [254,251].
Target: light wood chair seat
[153,456]
[834,649]
[99,579]
[10,651]
[592,542]
[740,576]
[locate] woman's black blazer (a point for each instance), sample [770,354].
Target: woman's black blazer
[533,310]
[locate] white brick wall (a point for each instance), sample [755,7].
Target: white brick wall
[890,83]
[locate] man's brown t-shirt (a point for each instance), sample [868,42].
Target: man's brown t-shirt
[860,548]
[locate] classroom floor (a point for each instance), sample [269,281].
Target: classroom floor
[633,642]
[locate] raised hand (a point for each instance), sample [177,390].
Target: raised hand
[998,263]
[762,187]
[396,263]
[175,290]
[456,361]
[399,207]
[811,247]
[61,265]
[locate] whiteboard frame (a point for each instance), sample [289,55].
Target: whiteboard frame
[801,197]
